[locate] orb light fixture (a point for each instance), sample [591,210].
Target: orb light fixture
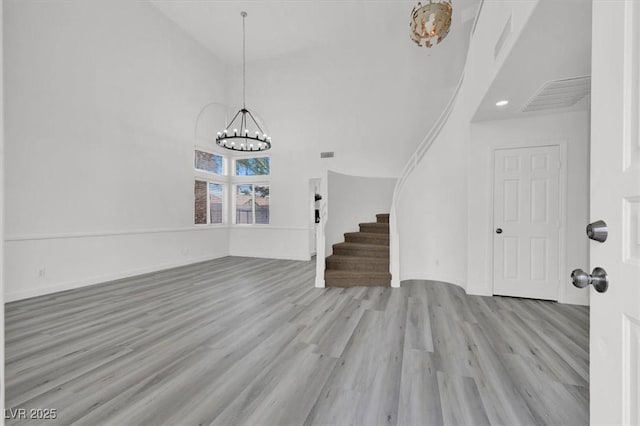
[430,23]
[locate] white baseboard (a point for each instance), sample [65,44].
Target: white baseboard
[262,255]
[442,278]
[41,291]
[479,293]
[572,300]
[579,300]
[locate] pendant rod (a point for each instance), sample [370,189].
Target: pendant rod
[244,79]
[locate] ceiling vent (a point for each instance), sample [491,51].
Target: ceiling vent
[559,94]
[328,154]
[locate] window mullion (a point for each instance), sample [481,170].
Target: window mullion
[208,203]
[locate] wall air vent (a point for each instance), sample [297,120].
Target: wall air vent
[506,31]
[559,94]
[328,154]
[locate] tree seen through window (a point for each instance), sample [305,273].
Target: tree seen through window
[259,166]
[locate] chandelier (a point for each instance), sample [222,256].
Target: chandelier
[430,23]
[243,133]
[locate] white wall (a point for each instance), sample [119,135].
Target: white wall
[353,200]
[331,99]
[275,242]
[571,129]
[101,101]
[100,131]
[431,212]
[1,213]
[432,205]
[444,208]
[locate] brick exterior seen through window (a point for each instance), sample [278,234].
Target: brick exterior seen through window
[200,191]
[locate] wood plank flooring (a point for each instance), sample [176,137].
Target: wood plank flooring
[251,341]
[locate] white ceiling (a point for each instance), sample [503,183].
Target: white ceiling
[555,45]
[312,53]
[288,26]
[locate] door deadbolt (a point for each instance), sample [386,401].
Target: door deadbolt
[598,278]
[597,231]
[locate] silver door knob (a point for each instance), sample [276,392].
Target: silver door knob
[597,278]
[597,231]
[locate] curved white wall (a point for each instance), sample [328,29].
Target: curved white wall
[432,204]
[431,212]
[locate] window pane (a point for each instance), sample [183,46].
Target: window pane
[244,200]
[262,204]
[208,162]
[253,166]
[200,191]
[215,203]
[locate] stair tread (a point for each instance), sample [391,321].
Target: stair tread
[357,263]
[375,228]
[365,246]
[374,238]
[342,257]
[357,279]
[379,251]
[382,218]
[335,273]
[366,234]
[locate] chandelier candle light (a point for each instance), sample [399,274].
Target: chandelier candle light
[431,23]
[243,132]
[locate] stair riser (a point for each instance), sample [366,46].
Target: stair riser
[355,264]
[375,229]
[382,240]
[341,251]
[363,259]
[357,282]
[382,218]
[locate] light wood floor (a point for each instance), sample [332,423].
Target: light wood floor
[250,341]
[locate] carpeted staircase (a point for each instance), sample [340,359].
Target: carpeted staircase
[363,259]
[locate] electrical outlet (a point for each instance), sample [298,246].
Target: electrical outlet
[42,272]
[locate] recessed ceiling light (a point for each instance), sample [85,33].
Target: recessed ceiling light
[502,103]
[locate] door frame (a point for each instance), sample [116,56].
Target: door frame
[314,188]
[562,231]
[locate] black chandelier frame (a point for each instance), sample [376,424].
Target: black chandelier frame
[228,137]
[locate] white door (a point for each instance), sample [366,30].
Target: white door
[526,218]
[615,198]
